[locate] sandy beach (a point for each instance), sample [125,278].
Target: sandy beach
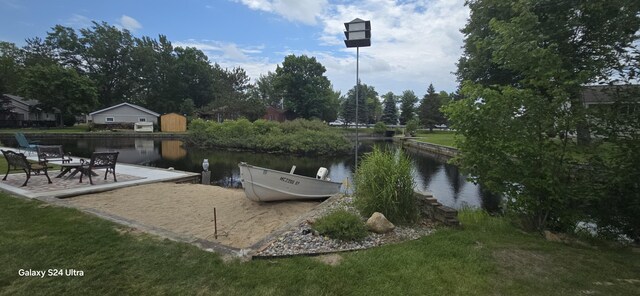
[187,209]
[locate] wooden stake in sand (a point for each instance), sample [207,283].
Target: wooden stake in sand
[215,224]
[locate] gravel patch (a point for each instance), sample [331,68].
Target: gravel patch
[303,240]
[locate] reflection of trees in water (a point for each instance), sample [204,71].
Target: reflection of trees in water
[456,180]
[490,201]
[426,167]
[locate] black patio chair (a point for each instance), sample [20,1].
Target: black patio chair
[99,160]
[19,160]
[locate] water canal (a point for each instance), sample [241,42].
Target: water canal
[431,172]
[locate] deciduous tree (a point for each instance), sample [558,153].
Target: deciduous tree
[10,68]
[305,90]
[522,71]
[57,88]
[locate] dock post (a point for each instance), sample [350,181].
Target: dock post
[206,177]
[206,174]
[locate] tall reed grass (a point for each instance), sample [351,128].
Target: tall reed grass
[384,184]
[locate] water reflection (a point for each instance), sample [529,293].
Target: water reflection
[432,173]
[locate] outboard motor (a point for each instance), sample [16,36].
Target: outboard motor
[322,174]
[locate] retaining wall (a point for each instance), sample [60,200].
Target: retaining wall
[433,148]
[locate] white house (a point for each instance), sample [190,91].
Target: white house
[123,113]
[25,112]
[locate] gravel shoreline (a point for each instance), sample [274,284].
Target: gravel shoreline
[303,240]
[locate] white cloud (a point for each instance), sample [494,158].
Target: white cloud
[78,21]
[230,55]
[304,11]
[129,23]
[413,43]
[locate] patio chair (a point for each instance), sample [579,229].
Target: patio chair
[24,144]
[19,160]
[49,153]
[99,160]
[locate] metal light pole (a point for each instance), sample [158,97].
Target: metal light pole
[358,35]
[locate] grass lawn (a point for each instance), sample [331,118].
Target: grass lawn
[487,257]
[445,138]
[80,128]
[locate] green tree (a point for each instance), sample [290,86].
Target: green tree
[235,95]
[368,105]
[514,104]
[195,77]
[430,114]
[187,107]
[390,112]
[38,52]
[332,109]
[107,60]
[304,88]
[10,68]
[58,88]
[407,106]
[265,85]
[374,107]
[158,85]
[613,172]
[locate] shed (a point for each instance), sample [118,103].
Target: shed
[173,122]
[124,113]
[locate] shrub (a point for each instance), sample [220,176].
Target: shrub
[384,184]
[298,137]
[380,128]
[411,128]
[341,225]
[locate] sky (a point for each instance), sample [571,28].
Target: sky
[413,42]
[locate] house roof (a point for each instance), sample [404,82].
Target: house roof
[605,94]
[22,100]
[126,104]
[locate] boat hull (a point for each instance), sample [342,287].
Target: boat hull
[262,184]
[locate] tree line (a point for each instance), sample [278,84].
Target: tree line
[76,72]
[396,109]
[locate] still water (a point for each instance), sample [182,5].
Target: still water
[431,173]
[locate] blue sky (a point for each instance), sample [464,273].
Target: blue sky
[414,43]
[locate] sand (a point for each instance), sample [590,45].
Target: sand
[187,209]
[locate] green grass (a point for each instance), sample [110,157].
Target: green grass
[487,257]
[81,128]
[445,138]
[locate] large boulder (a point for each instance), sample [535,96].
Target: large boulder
[378,223]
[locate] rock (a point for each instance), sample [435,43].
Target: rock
[379,224]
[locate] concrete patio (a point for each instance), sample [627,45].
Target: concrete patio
[127,175]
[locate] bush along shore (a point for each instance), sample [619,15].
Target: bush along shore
[300,136]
